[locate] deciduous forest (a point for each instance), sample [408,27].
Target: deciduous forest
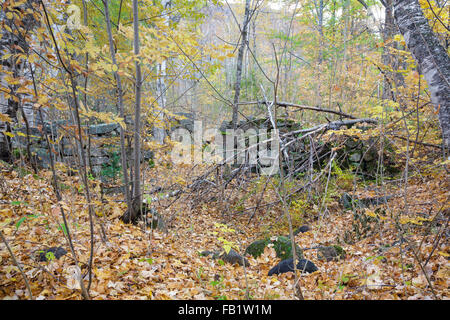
[224,149]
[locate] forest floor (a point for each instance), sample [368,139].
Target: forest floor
[135,263]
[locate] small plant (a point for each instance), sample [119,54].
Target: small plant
[199,274]
[17,152]
[342,178]
[298,209]
[22,172]
[217,283]
[227,245]
[21,220]
[46,255]
[50,256]
[113,168]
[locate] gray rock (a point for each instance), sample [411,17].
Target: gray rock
[233,257]
[99,160]
[98,152]
[347,200]
[355,157]
[288,266]
[330,253]
[43,158]
[147,154]
[57,252]
[102,129]
[302,229]
[68,150]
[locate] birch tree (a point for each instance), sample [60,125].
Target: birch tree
[431,57]
[159,133]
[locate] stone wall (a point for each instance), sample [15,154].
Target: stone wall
[102,150]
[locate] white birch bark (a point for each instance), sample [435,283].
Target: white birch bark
[431,57]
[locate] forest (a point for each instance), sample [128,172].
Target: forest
[224,149]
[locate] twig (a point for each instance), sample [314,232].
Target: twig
[30,295]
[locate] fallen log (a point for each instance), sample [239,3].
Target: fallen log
[299,106]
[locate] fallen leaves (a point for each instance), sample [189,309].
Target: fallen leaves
[143,264]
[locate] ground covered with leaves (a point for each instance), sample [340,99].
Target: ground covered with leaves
[135,262]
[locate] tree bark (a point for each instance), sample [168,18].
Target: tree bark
[237,85]
[388,33]
[13,42]
[431,57]
[119,105]
[159,134]
[137,120]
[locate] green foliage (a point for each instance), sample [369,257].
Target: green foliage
[113,168]
[50,256]
[21,220]
[342,178]
[218,283]
[63,186]
[281,245]
[339,250]
[227,245]
[62,227]
[18,203]
[16,152]
[148,260]
[298,209]
[22,172]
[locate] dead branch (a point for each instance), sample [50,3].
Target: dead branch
[299,106]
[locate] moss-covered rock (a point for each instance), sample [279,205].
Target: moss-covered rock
[256,248]
[341,252]
[281,245]
[283,248]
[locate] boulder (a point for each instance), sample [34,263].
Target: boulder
[283,248]
[233,257]
[288,266]
[301,229]
[104,128]
[347,200]
[57,252]
[330,253]
[256,248]
[281,245]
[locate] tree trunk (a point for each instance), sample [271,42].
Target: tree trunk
[388,33]
[119,105]
[431,57]
[237,85]
[137,120]
[13,42]
[159,134]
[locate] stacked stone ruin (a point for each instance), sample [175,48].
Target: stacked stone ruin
[101,149]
